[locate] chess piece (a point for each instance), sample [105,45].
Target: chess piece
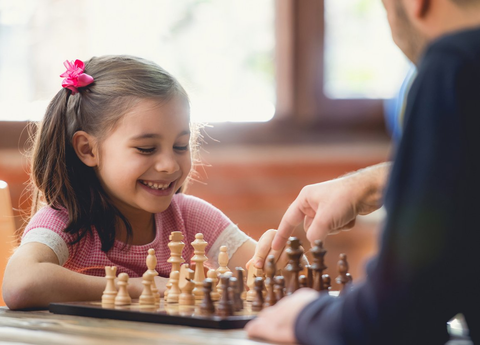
[294,253]
[223,261]
[174,293]
[110,291]
[123,298]
[344,278]
[270,269]
[234,294]
[241,282]
[302,281]
[224,307]
[176,247]
[309,276]
[187,297]
[253,272]
[318,265]
[257,303]
[147,298]
[279,287]
[327,283]
[151,265]
[199,258]
[206,306]
[212,274]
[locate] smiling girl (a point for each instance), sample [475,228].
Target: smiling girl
[110,159]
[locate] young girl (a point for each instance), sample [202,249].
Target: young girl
[109,162]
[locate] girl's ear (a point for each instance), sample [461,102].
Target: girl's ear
[85,146]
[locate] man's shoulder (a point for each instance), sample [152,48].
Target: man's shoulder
[459,45]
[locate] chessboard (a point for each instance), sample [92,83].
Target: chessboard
[223,300]
[173,314]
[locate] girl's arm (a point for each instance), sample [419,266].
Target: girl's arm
[243,254]
[34,279]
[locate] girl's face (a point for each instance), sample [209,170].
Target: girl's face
[146,158]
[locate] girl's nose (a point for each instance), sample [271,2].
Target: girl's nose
[167,163]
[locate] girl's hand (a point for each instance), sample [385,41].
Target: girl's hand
[135,286]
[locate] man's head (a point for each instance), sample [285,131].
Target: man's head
[415,23]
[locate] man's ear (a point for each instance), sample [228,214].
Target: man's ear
[85,147]
[419,8]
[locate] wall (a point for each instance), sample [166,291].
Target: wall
[254,185]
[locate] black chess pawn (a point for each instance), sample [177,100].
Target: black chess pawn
[294,253]
[224,307]
[309,276]
[206,306]
[302,281]
[327,283]
[318,265]
[279,287]
[257,303]
[234,294]
[270,269]
[344,279]
[241,282]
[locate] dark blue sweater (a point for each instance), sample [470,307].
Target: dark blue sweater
[428,266]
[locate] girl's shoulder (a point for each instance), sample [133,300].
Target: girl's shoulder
[49,218]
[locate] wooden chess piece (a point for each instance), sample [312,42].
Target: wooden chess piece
[344,279]
[234,294]
[257,303]
[110,291]
[151,265]
[327,283]
[309,276]
[270,269]
[223,261]
[187,297]
[318,265]
[253,272]
[123,298]
[206,306]
[279,287]
[302,281]
[174,293]
[241,282]
[199,258]
[176,247]
[212,274]
[147,298]
[224,307]
[294,253]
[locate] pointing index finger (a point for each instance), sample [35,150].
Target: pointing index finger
[289,221]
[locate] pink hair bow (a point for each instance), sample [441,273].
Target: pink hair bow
[74,76]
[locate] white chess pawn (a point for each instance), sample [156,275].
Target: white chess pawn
[110,291]
[223,261]
[151,265]
[212,274]
[123,298]
[174,293]
[147,298]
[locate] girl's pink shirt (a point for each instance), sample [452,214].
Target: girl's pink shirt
[186,213]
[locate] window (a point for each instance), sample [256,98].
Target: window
[221,51]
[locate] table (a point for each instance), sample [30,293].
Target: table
[42,327]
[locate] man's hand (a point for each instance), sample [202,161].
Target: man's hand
[277,323]
[331,206]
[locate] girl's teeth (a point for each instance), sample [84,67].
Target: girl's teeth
[156,185]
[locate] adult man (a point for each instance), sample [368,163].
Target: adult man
[425,272]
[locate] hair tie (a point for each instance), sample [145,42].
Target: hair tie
[74,76]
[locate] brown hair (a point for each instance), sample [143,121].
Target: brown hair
[59,178]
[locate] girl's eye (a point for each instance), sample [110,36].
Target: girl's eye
[182,148]
[145,150]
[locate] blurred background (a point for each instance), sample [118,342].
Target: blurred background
[290,92]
